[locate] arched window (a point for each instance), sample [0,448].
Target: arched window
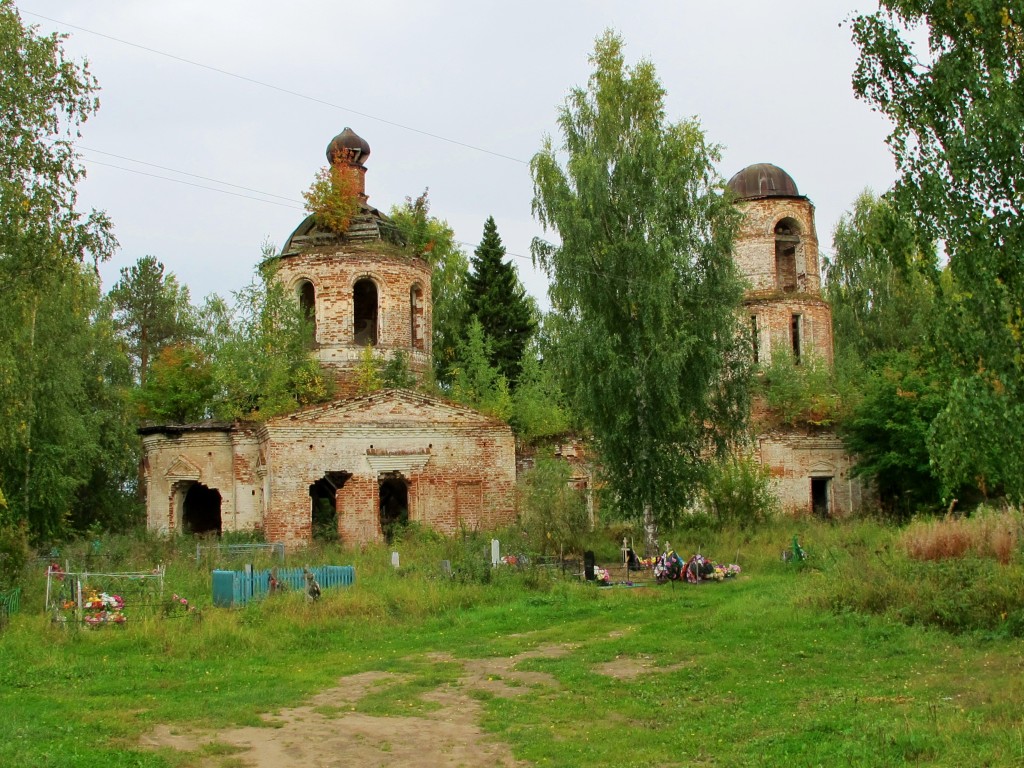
[307,302]
[416,316]
[787,241]
[364,314]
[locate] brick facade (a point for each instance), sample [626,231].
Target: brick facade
[777,252]
[457,465]
[403,311]
[392,452]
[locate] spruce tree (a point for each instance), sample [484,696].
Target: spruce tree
[498,300]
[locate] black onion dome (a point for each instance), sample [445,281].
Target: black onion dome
[350,145]
[763,180]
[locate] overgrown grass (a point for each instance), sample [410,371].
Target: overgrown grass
[811,665]
[987,534]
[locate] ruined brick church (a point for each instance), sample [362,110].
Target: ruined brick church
[366,462]
[362,464]
[777,252]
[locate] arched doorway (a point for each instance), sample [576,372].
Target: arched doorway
[201,510]
[323,496]
[394,505]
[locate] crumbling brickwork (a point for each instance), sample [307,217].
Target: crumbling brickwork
[799,461]
[390,455]
[402,309]
[777,252]
[457,466]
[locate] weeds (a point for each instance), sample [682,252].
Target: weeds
[988,534]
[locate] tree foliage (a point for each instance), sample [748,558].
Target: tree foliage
[477,383]
[881,280]
[260,352]
[498,300]
[554,516]
[800,395]
[538,405]
[396,373]
[333,197]
[644,285]
[434,240]
[368,373]
[885,289]
[151,310]
[180,388]
[888,431]
[64,430]
[957,107]
[739,492]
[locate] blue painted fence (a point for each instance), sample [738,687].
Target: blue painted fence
[234,588]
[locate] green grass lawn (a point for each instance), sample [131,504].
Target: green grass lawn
[752,671]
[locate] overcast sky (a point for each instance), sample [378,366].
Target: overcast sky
[452,95]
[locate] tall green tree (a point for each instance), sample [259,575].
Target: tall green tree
[434,240]
[60,405]
[151,310]
[883,283]
[644,286]
[181,387]
[475,381]
[498,300]
[881,280]
[259,348]
[957,107]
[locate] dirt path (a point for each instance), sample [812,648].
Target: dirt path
[327,732]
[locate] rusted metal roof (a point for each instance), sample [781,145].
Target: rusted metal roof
[763,180]
[368,225]
[348,144]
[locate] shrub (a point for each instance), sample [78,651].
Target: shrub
[554,513]
[14,553]
[800,394]
[738,491]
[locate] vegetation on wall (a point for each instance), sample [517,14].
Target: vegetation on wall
[333,197]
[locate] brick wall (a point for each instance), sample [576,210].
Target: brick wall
[754,250]
[775,324]
[794,457]
[404,305]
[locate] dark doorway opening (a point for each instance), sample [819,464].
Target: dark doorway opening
[820,487]
[307,302]
[323,495]
[364,300]
[201,510]
[394,505]
[787,238]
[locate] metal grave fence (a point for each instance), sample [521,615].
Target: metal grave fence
[232,589]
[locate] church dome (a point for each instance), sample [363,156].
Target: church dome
[763,180]
[349,145]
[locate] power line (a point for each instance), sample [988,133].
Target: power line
[193,184]
[278,88]
[470,246]
[183,173]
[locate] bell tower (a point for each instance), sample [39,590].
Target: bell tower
[777,252]
[362,287]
